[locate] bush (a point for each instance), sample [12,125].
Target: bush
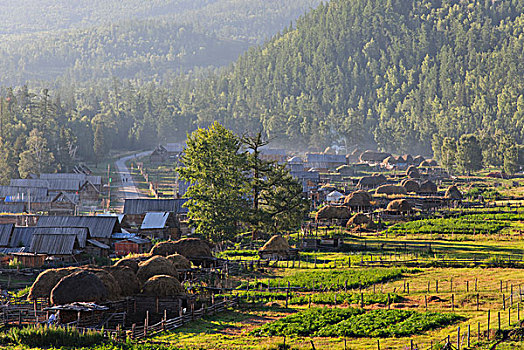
[51,337]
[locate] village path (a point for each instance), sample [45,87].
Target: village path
[128,188]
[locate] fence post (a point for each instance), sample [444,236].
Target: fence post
[489,314]
[469,335]
[478,296]
[498,314]
[503,302]
[458,338]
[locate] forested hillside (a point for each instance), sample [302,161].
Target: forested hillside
[397,73]
[79,41]
[403,76]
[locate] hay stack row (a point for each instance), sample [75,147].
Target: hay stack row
[154,274]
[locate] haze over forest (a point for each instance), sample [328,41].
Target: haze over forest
[394,75]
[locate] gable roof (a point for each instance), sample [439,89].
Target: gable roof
[22,194]
[5,234]
[142,206]
[53,244]
[29,183]
[21,236]
[95,180]
[12,208]
[99,226]
[154,220]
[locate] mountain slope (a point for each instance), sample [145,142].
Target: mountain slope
[391,73]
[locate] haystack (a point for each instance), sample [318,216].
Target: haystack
[372,156]
[180,262]
[163,286]
[132,263]
[46,281]
[333,212]
[358,219]
[191,248]
[425,164]
[453,193]
[359,198]
[391,160]
[328,188]
[164,248]
[391,189]
[417,160]
[400,205]
[372,181]
[157,265]
[277,244]
[432,162]
[428,187]
[80,286]
[407,158]
[345,170]
[126,279]
[412,172]
[410,185]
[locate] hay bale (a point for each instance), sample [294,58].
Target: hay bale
[164,248]
[400,205]
[132,263]
[126,279]
[163,286]
[372,181]
[345,170]
[407,158]
[391,160]
[113,288]
[81,286]
[188,247]
[333,212]
[157,265]
[358,219]
[428,187]
[417,160]
[358,198]
[391,189]
[46,281]
[412,172]
[432,162]
[180,262]
[276,244]
[410,185]
[453,193]
[372,156]
[424,164]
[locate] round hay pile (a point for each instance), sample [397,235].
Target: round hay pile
[180,262]
[277,244]
[46,281]
[391,189]
[156,265]
[191,248]
[412,172]
[328,188]
[407,158]
[358,219]
[425,164]
[373,156]
[113,289]
[345,170]
[432,162]
[163,286]
[428,187]
[81,286]
[417,160]
[164,248]
[372,181]
[333,212]
[359,198]
[391,160]
[410,185]
[453,193]
[132,263]
[126,279]
[400,205]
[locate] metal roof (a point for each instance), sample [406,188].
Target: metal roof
[154,220]
[71,185]
[5,234]
[99,226]
[98,244]
[142,206]
[12,250]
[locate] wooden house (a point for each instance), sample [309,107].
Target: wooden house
[133,245]
[135,210]
[159,155]
[32,260]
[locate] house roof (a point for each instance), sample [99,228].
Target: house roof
[135,239]
[142,206]
[53,244]
[154,220]
[5,234]
[71,185]
[29,183]
[21,237]
[12,250]
[95,180]
[325,158]
[98,244]
[12,208]
[99,226]
[21,194]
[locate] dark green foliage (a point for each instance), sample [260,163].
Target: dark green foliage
[44,337]
[356,323]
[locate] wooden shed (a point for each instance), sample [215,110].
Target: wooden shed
[162,225]
[30,259]
[134,245]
